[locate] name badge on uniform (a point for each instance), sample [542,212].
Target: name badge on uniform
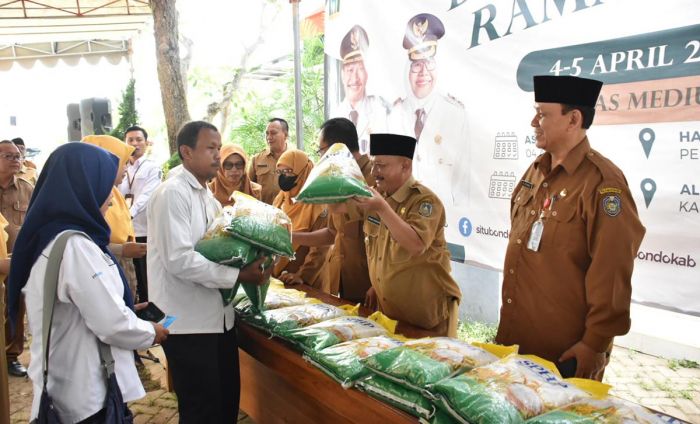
[537,229]
[129,199]
[374,220]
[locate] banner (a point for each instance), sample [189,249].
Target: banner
[473,103]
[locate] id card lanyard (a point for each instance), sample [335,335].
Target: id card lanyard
[533,242]
[129,198]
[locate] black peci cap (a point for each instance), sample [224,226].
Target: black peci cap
[567,90]
[392,145]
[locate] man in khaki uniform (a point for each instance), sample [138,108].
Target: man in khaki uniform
[264,165]
[15,193]
[574,236]
[409,264]
[28,170]
[346,264]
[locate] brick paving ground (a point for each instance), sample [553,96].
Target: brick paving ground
[637,377]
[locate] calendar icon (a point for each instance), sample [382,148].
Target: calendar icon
[505,146]
[501,185]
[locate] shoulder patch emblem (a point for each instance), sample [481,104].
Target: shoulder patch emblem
[612,205]
[606,190]
[398,101]
[324,213]
[425,209]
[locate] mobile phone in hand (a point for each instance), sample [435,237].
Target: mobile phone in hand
[151,313]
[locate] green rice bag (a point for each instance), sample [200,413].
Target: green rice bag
[276,298]
[598,411]
[425,361]
[227,250]
[396,395]
[284,319]
[333,331]
[260,224]
[507,391]
[439,417]
[342,361]
[334,179]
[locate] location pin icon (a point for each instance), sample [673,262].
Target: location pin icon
[648,189]
[647,137]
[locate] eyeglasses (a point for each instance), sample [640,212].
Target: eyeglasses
[12,157]
[322,150]
[418,65]
[287,172]
[230,165]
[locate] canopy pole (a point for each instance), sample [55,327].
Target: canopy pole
[297,75]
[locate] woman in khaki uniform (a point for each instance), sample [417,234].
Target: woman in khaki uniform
[231,176]
[293,168]
[346,272]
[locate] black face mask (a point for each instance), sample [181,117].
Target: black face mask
[287,182]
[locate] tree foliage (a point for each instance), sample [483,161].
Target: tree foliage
[128,115]
[251,112]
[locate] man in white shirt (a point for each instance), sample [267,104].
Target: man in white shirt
[142,177]
[202,351]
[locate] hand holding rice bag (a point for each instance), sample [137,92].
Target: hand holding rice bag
[598,411]
[342,361]
[507,391]
[425,361]
[260,224]
[397,395]
[334,179]
[219,246]
[334,331]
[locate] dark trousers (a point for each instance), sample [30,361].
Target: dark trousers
[206,377]
[14,337]
[141,275]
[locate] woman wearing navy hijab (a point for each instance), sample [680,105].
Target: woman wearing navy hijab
[92,298]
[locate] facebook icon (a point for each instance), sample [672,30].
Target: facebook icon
[465,227]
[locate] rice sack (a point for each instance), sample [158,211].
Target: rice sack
[285,319]
[334,331]
[425,361]
[276,298]
[342,362]
[396,395]
[334,179]
[507,391]
[260,224]
[598,411]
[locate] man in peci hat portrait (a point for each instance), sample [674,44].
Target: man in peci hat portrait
[574,236]
[404,222]
[438,121]
[368,113]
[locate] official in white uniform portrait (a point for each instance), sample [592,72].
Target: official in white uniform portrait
[438,121]
[368,113]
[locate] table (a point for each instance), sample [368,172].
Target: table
[278,385]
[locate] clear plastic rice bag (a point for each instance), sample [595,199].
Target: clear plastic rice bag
[260,224]
[425,361]
[284,319]
[599,411]
[334,179]
[334,331]
[397,395]
[342,361]
[510,390]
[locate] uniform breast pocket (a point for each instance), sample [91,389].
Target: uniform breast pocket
[565,229]
[263,172]
[371,230]
[520,201]
[19,212]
